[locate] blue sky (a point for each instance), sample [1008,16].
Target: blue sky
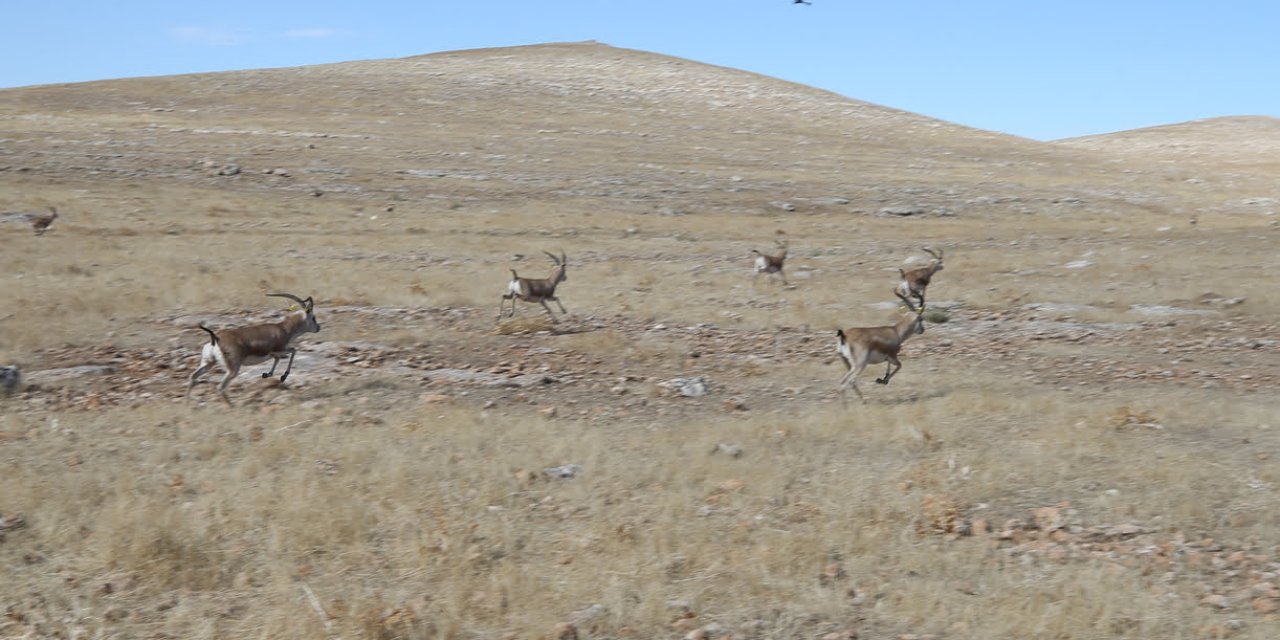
[1043,70]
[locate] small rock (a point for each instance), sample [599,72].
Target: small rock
[588,614]
[902,212]
[689,387]
[1217,601]
[564,471]
[728,449]
[1124,530]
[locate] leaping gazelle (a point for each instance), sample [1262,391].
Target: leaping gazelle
[538,290]
[916,281]
[862,346]
[765,263]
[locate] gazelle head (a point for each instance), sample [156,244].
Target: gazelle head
[936,263]
[309,322]
[562,262]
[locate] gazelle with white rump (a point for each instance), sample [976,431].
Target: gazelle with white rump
[766,263]
[916,281]
[863,346]
[234,348]
[538,290]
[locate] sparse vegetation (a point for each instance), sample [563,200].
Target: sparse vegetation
[1062,463]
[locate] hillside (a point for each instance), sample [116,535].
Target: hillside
[1236,142]
[1083,440]
[554,122]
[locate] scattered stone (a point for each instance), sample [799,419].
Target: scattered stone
[564,471]
[1125,531]
[903,211]
[48,376]
[1217,601]
[1165,310]
[486,378]
[1215,300]
[588,614]
[687,387]
[728,449]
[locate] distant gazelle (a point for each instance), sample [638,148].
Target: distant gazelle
[538,290]
[862,346]
[234,348]
[916,281]
[766,263]
[39,223]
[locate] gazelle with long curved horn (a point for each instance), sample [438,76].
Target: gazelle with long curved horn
[766,263]
[234,348]
[862,346]
[538,290]
[916,281]
[40,221]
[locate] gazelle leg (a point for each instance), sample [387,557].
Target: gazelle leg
[275,360]
[549,312]
[226,380]
[889,371]
[850,380]
[195,376]
[292,352]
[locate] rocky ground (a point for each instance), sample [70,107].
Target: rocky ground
[479,361]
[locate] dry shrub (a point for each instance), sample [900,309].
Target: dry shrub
[940,515]
[523,325]
[1127,416]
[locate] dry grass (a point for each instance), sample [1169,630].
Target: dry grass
[416,517]
[440,521]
